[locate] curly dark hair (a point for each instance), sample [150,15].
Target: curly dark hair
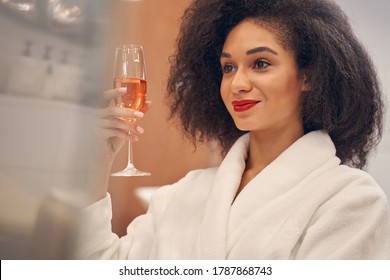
[345,96]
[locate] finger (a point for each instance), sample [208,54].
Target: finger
[114,111]
[111,94]
[109,133]
[115,123]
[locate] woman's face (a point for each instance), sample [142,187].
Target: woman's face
[260,85]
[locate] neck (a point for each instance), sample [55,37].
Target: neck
[266,146]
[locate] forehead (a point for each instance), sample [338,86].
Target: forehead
[251,33]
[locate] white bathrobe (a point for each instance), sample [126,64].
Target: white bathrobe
[304,205]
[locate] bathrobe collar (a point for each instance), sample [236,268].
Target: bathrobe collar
[295,163]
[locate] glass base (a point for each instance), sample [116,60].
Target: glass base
[130,171]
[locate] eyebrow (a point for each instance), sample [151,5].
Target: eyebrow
[252,51]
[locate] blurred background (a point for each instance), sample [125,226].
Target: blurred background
[56,58]
[51,69]
[370,21]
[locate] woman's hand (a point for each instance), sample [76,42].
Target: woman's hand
[114,124]
[112,132]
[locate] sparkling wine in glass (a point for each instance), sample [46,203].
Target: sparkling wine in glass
[129,72]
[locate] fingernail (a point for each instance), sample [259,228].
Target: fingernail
[140,130]
[134,138]
[138,114]
[122,90]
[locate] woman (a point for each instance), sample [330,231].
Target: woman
[293,99]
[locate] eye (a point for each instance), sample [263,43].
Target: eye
[261,64]
[227,68]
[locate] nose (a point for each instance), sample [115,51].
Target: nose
[240,82]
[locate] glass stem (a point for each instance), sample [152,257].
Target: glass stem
[129,154]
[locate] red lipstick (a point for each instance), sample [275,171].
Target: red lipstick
[244,105]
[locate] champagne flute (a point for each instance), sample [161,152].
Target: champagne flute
[130,72]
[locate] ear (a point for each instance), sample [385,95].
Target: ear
[306,86]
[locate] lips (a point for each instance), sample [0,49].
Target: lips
[244,105]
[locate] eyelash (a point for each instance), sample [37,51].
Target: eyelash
[255,66]
[262,61]
[224,68]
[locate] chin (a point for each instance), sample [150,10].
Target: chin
[243,127]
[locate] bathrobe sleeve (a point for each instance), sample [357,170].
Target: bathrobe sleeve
[97,241]
[354,224]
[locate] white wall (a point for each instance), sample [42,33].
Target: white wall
[370,21]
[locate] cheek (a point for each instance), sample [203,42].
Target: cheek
[224,91]
[287,88]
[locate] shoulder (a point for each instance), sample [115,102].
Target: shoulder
[360,183]
[199,178]
[201,175]
[194,183]
[357,191]
[352,223]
